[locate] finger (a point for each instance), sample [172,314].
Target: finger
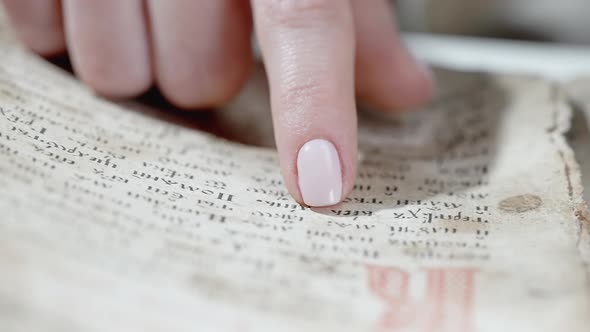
[202,49]
[108,45]
[387,75]
[38,24]
[308,50]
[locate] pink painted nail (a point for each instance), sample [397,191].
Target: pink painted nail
[320,176]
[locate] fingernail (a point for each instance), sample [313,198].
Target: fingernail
[320,175]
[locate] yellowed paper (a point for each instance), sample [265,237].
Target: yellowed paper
[579,139]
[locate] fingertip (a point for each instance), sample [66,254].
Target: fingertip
[388,77]
[320,173]
[414,86]
[38,24]
[222,84]
[319,168]
[117,87]
[50,46]
[404,83]
[202,52]
[112,55]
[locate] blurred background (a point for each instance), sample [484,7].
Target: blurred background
[560,30]
[564,21]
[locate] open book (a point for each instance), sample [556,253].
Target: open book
[466,216]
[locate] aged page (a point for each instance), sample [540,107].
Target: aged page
[579,139]
[467,216]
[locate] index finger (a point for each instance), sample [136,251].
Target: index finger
[308,51]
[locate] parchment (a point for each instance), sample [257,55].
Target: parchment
[579,138]
[467,216]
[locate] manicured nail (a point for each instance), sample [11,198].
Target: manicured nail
[320,175]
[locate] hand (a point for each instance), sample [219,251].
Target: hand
[317,54]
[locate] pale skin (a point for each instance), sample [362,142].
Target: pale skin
[321,56]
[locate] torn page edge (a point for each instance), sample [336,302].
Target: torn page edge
[562,122]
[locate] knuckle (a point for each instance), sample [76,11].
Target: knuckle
[302,96]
